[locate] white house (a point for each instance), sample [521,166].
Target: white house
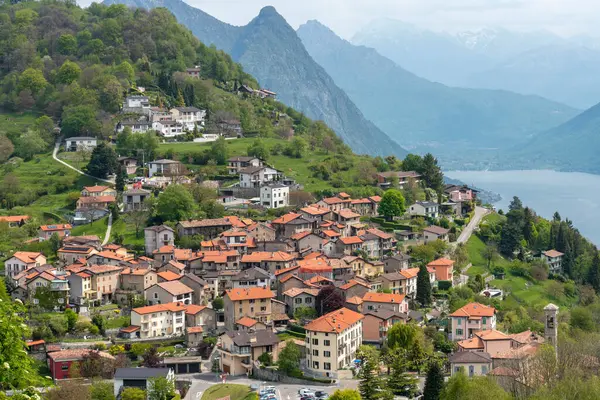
[80,143]
[168,128]
[135,126]
[159,320]
[140,378]
[554,260]
[165,167]
[189,117]
[169,292]
[274,196]
[235,164]
[424,209]
[136,104]
[254,177]
[22,260]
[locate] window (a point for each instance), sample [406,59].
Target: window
[327,366]
[327,342]
[459,332]
[459,321]
[484,320]
[263,309]
[298,300]
[326,354]
[308,300]
[64,367]
[315,352]
[471,370]
[484,370]
[315,342]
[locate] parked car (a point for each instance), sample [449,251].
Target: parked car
[320,394]
[305,391]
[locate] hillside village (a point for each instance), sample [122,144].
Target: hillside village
[188,231]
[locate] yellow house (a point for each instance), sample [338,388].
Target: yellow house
[249,302]
[239,350]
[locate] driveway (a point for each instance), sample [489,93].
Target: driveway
[480,212]
[54,155]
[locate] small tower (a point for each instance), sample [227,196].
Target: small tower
[551,326]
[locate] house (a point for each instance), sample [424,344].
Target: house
[95,202]
[355,288]
[85,240]
[332,341]
[80,143]
[253,277]
[98,191]
[274,196]
[21,261]
[199,285]
[459,194]
[246,324]
[255,177]
[169,292]
[554,260]
[240,350]
[267,261]
[471,318]
[140,378]
[296,298]
[62,363]
[346,217]
[334,204]
[229,127]
[57,294]
[158,236]
[380,242]
[292,223]
[193,72]
[261,232]
[386,301]
[46,231]
[167,276]
[172,266]
[491,341]
[129,164]
[443,268]
[210,228]
[168,128]
[80,288]
[385,180]
[165,168]
[251,302]
[136,126]
[264,93]
[136,104]
[396,262]
[426,209]
[189,117]
[472,363]
[104,282]
[109,258]
[159,320]
[138,279]
[235,164]
[377,322]
[194,336]
[69,254]
[348,245]
[433,233]
[366,206]
[316,212]
[135,199]
[14,221]
[202,316]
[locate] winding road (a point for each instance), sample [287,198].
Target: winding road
[480,212]
[54,155]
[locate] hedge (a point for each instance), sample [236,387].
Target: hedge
[444,285]
[398,227]
[297,328]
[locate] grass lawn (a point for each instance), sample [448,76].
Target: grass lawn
[235,392]
[75,158]
[531,294]
[494,218]
[475,248]
[97,227]
[297,168]
[118,322]
[128,232]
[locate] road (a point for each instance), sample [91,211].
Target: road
[108,229]
[285,391]
[480,212]
[54,155]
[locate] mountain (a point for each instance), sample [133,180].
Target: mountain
[423,115]
[269,49]
[572,146]
[431,55]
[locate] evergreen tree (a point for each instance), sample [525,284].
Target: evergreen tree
[510,239]
[120,180]
[400,382]
[561,238]
[594,272]
[434,382]
[515,204]
[432,173]
[568,261]
[103,161]
[423,286]
[371,386]
[528,225]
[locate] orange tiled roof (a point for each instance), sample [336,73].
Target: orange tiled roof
[336,321]
[135,271]
[177,265]
[474,310]
[249,294]
[347,213]
[285,270]
[195,329]
[293,292]
[234,233]
[260,256]
[288,277]
[100,269]
[75,354]
[130,329]
[111,255]
[315,210]
[175,288]
[300,235]
[95,189]
[380,233]
[318,279]
[193,309]
[354,300]
[332,200]
[441,262]
[27,256]
[375,199]
[383,297]
[97,199]
[247,322]
[553,253]
[14,218]
[284,219]
[331,233]
[172,307]
[57,227]
[169,276]
[351,240]
[352,283]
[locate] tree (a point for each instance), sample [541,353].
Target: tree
[303,313]
[72,318]
[120,179]
[68,72]
[175,204]
[94,365]
[371,386]
[33,80]
[423,286]
[432,174]
[413,162]
[68,391]
[133,393]
[258,149]
[266,359]
[400,382]
[45,127]
[138,219]
[103,161]
[594,272]
[6,148]
[102,391]
[67,44]
[54,243]
[79,120]
[402,336]
[489,253]
[218,151]
[329,299]
[391,204]
[289,359]
[345,394]
[516,204]
[151,359]
[434,382]
[99,321]
[218,303]
[110,94]
[29,144]
[161,389]
[296,148]
[459,387]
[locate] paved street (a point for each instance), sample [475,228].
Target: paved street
[480,212]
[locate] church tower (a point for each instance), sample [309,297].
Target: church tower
[551,326]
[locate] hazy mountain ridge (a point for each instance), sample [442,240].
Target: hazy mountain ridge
[269,49]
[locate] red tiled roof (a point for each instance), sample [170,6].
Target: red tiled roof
[249,294]
[383,297]
[300,235]
[351,240]
[195,329]
[553,253]
[284,219]
[27,256]
[474,310]
[293,292]
[175,288]
[172,307]
[14,218]
[97,199]
[247,322]
[95,189]
[169,276]
[347,213]
[260,256]
[352,283]
[193,309]
[441,262]
[30,343]
[336,321]
[75,354]
[286,270]
[130,329]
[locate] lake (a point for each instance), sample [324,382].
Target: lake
[574,195]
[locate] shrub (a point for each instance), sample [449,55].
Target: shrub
[444,285]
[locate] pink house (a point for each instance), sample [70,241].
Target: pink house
[471,318]
[460,193]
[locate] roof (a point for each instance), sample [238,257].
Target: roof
[386,314]
[130,329]
[474,310]
[315,210]
[350,240]
[57,227]
[332,200]
[193,309]
[75,354]
[441,262]
[354,300]
[461,357]
[136,271]
[195,329]
[171,307]
[225,221]
[141,373]
[379,233]
[259,338]
[101,269]
[241,159]
[352,283]
[175,288]
[383,297]
[27,256]
[438,230]
[75,249]
[14,218]
[318,279]
[331,233]
[169,276]
[97,199]
[286,270]
[96,189]
[260,256]
[553,253]
[247,322]
[347,213]
[187,109]
[249,294]
[164,161]
[300,235]
[132,192]
[34,342]
[80,138]
[176,264]
[293,292]
[399,174]
[336,321]
[159,228]
[251,274]
[286,218]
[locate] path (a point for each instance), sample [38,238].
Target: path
[480,212]
[54,155]
[108,229]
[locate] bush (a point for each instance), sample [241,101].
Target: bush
[99,346]
[297,328]
[444,285]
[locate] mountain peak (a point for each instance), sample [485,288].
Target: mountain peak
[269,11]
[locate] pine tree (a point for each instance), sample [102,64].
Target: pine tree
[400,382]
[371,386]
[434,383]
[120,180]
[594,272]
[568,261]
[561,238]
[180,100]
[423,287]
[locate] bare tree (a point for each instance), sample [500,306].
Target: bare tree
[138,219]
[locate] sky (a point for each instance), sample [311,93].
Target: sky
[346,17]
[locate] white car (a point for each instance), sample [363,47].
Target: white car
[305,392]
